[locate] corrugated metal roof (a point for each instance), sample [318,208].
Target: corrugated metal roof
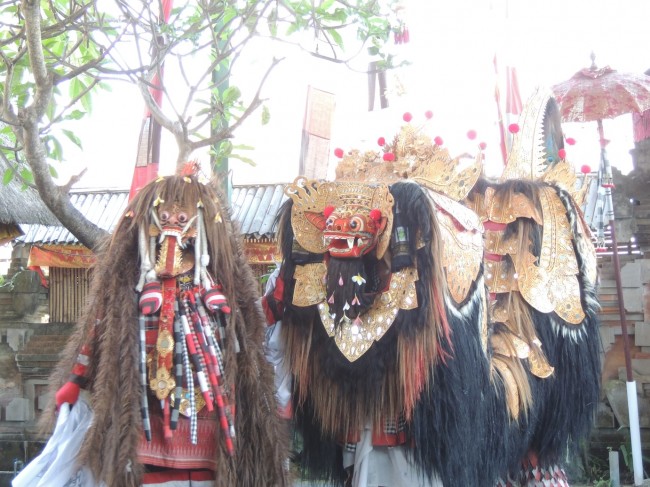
[253,207]
[103,208]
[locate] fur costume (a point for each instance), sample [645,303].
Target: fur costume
[109,329]
[455,318]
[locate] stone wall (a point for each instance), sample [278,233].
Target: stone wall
[612,421]
[23,315]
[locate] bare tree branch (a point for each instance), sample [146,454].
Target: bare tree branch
[70,40]
[254,104]
[55,199]
[43,91]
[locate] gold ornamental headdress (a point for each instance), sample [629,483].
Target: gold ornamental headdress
[412,155]
[550,282]
[537,152]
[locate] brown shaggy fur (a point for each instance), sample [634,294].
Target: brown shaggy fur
[111,443]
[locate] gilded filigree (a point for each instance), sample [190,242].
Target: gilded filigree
[310,197]
[463,244]
[498,210]
[538,364]
[552,284]
[499,278]
[310,288]
[354,336]
[527,156]
[496,244]
[416,157]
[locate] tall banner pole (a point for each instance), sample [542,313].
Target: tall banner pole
[148,153]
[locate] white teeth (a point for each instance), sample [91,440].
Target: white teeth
[350,242]
[172,233]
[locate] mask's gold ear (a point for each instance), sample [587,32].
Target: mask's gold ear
[310,197]
[383,200]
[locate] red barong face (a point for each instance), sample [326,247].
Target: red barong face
[343,219]
[350,232]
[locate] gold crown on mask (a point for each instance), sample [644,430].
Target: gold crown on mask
[412,155]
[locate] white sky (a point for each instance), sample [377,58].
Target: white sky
[451,49]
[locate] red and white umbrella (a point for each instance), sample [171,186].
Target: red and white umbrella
[600,93]
[593,95]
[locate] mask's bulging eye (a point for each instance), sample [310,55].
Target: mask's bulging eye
[357,223]
[182,217]
[330,223]
[164,216]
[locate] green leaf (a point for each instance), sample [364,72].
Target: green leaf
[73,138]
[53,172]
[292,29]
[76,115]
[8,176]
[326,5]
[231,95]
[76,87]
[27,176]
[228,14]
[337,38]
[86,102]
[49,112]
[247,160]
[266,115]
[54,148]
[243,147]
[272,22]
[339,15]
[225,149]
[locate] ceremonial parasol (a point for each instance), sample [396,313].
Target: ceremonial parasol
[595,94]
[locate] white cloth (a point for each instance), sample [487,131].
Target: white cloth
[383,466]
[274,351]
[56,466]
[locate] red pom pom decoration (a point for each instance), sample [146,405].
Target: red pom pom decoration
[561,154]
[438,140]
[428,114]
[375,214]
[570,141]
[471,135]
[327,211]
[338,152]
[585,169]
[389,156]
[513,128]
[151,298]
[482,145]
[407,117]
[381,141]
[191,168]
